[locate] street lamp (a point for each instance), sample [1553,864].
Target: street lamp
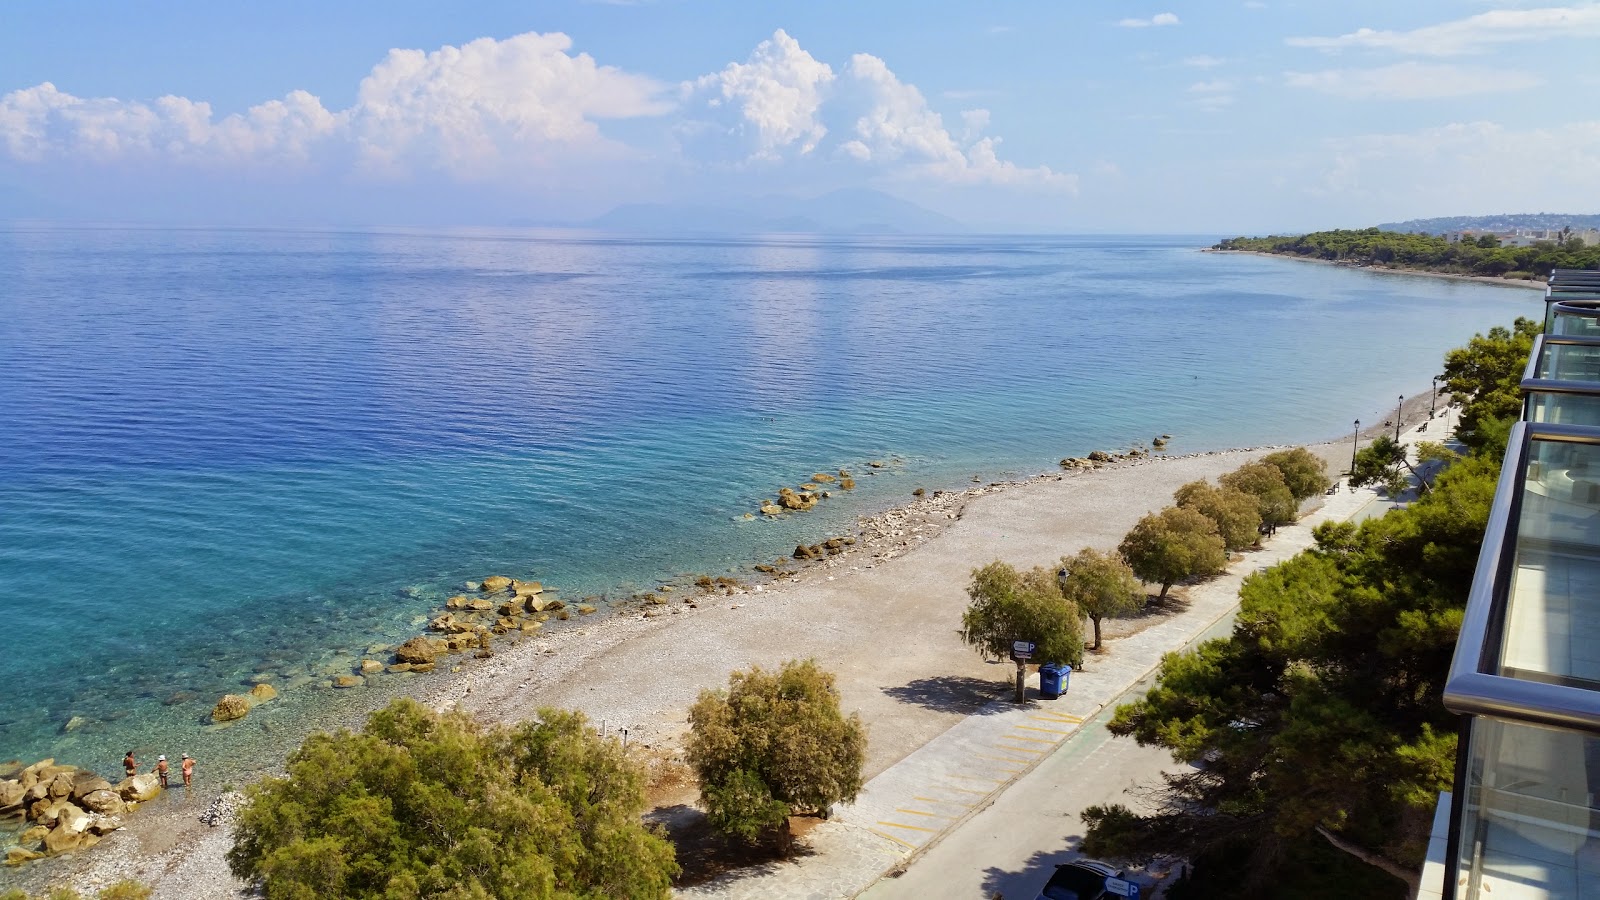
[1434,403]
[1397,410]
[1355,441]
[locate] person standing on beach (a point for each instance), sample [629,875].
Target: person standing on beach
[188,770]
[162,769]
[129,766]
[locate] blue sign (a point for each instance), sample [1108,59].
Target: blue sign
[1022,649]
[1122,888]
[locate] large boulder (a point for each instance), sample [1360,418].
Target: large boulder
[61,786]
[34,836]
[60,840]
[348,681]
[72,819]
[370,667]
[526,588]
[418,650]
[17,856]
[261,693]
[86,783]
[140,788]
[106,802]
[231,707]
[101,825]
[40,791]
[11,794]
[494,584]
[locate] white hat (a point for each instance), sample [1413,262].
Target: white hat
[185,756]
[161,759]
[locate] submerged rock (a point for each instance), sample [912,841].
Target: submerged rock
[418,650]
[261,693]
[348,681]
[494,584]
[230,708]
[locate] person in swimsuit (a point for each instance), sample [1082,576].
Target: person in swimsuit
[129,766]
[162,769]
[188,770]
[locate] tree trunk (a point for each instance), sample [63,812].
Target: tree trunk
[1412,878]
[1096,621]
[1163,594]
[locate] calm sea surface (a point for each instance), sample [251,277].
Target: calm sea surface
[225,453]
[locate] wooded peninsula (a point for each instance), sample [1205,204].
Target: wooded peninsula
[1482,256]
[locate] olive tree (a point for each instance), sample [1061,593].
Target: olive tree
[1235,513]
[1304,473]
[1009,605]
[774,744]
[1101,585]
[1173,545]
[1265,483]
[424,804]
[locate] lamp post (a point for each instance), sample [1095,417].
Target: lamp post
[1355,441]
[1434,403]
[1397,410]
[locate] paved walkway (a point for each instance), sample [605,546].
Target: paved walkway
[935,789]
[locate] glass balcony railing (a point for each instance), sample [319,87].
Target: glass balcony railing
[1572,318]
[1561,384]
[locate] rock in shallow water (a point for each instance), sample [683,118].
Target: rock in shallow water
[230,708]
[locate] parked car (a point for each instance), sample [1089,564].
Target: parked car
[1083,879]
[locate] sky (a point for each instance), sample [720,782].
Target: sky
[1226,116]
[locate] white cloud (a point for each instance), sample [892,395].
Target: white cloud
[778,91]
[1472,34]
[1158,19]
[1436,168]
[1214,95]
[1411,81]
[1203,61]
[43,122]
[896,126]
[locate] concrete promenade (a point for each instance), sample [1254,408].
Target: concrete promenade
[933,791]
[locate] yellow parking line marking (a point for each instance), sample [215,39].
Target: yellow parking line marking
[918,812]
[950,802]
[1036,728]
[912,827]
[978,778]
[1018,737]
[1061,720]
[1018,749]
[1009,759]
[967,791]
[893,838]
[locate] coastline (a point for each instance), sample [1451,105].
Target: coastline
[883,615]
[1386,270]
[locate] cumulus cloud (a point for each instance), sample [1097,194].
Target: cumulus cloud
[1158,19]
[778,91]
[1411,81]
[1471,34]
[518,109]
[42,121]
[466,110]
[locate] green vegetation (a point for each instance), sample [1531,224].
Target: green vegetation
[1319,719]
[1304,473]
[1370,246]
[1264,482]
[773,745]
[1486,374]
[1101,586]
[422,804]
[1235,513]
[1382,462]
[1008,605]
[1174,545]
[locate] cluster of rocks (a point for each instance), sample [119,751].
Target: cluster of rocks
[1100,458]
[222,810]
[810,493]
[69,808]
[829,547]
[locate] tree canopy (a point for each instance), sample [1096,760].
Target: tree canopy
[772,744]
[1374,247]
[1263,481]
[1304,473]
[1486,376]
[1174,545]
[423,804]
[1101,585]
[1008,605]
[1235,513]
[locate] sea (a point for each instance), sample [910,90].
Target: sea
[240,455]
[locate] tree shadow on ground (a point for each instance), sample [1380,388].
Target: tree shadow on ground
[1028,881]
[950,693]
[705,855]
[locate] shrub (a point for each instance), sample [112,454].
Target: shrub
[1008,605]
[773,744]
[1265,483]
[422,804]
[1304,473]
[1173,545]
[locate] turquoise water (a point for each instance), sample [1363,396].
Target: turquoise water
[231,452]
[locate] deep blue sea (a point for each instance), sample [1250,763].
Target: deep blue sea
[225,452]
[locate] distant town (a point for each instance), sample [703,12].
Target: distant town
[1511,230]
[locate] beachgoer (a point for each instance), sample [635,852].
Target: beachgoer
[129,766]
[162,769]
[188,770]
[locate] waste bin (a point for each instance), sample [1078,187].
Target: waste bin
[1050,685]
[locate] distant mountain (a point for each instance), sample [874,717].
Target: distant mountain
[854,211]
[1508,222]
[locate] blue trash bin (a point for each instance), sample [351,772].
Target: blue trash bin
[1066,676]
[1049,681]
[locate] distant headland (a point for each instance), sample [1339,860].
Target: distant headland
[1508,256]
